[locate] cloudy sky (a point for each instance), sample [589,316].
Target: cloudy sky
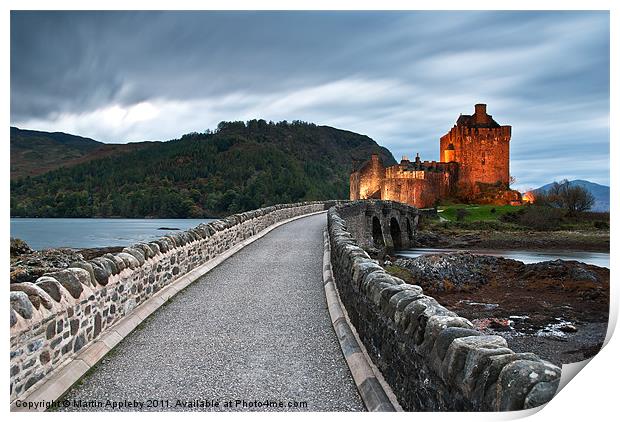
[401,78]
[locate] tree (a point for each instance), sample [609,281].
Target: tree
[578,199]
[573,198]
[512,181]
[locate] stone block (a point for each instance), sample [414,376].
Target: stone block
[446,337]
[69,281]
[375,278]
[417,314]
[52,287]
[118,261]
[13,318]
[32,290]
[475,364]
[541,393]
[21,304]
[107,264]
[101,273]
[154,247]
[88,267]
[129,260]
[136,253]
[456,356]
[487,383]
[518,378]
[400,300]
[434,326]
[82,275]
[361,270]
[388,292]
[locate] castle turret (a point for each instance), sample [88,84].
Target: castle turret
[481,147]
[480,115]
[366,182]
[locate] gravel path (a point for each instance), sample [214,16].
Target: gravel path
[255,328]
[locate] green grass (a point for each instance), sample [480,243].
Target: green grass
[476,212]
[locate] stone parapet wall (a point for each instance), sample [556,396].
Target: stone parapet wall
[432,358]
[361,215]
[62,312]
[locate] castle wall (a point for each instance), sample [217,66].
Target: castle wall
[421,193]
[367,181]
[483,155]
[419,188]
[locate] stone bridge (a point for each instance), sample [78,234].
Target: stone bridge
[382,225]
[246,313]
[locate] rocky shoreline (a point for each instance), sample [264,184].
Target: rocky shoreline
[557,309]
[591,241]
[27,264]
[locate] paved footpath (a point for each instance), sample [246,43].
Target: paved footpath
[255,328]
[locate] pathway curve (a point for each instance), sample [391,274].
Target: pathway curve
[255,328]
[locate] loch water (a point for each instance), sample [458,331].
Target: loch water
[43,233]
[600,259]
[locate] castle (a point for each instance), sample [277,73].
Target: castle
[474,167]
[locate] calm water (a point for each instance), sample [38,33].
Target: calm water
[41,233]
[600,259]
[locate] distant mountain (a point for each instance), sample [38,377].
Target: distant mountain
[238,167]
[35,152]
[600,192]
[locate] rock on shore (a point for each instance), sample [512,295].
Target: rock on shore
[464,271]
[27,264]
[558,309]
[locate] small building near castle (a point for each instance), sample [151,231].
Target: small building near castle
[474,167]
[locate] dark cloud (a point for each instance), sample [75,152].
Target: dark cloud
[400,77]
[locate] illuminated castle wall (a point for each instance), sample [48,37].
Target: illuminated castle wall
[474,166]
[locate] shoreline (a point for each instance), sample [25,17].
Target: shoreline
[576,240]
[557,309]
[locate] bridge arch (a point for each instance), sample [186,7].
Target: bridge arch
[377,233]
[409,231]
[396,233]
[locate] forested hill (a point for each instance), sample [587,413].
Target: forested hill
[238,167]
[34,152]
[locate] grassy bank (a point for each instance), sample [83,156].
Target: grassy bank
[507,227]
[523,217]
[475,212]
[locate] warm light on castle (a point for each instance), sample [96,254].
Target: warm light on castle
[474,167]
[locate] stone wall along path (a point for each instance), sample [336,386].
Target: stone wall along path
[254,328]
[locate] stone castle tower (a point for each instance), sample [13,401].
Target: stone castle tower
[474,166]
[481,148]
